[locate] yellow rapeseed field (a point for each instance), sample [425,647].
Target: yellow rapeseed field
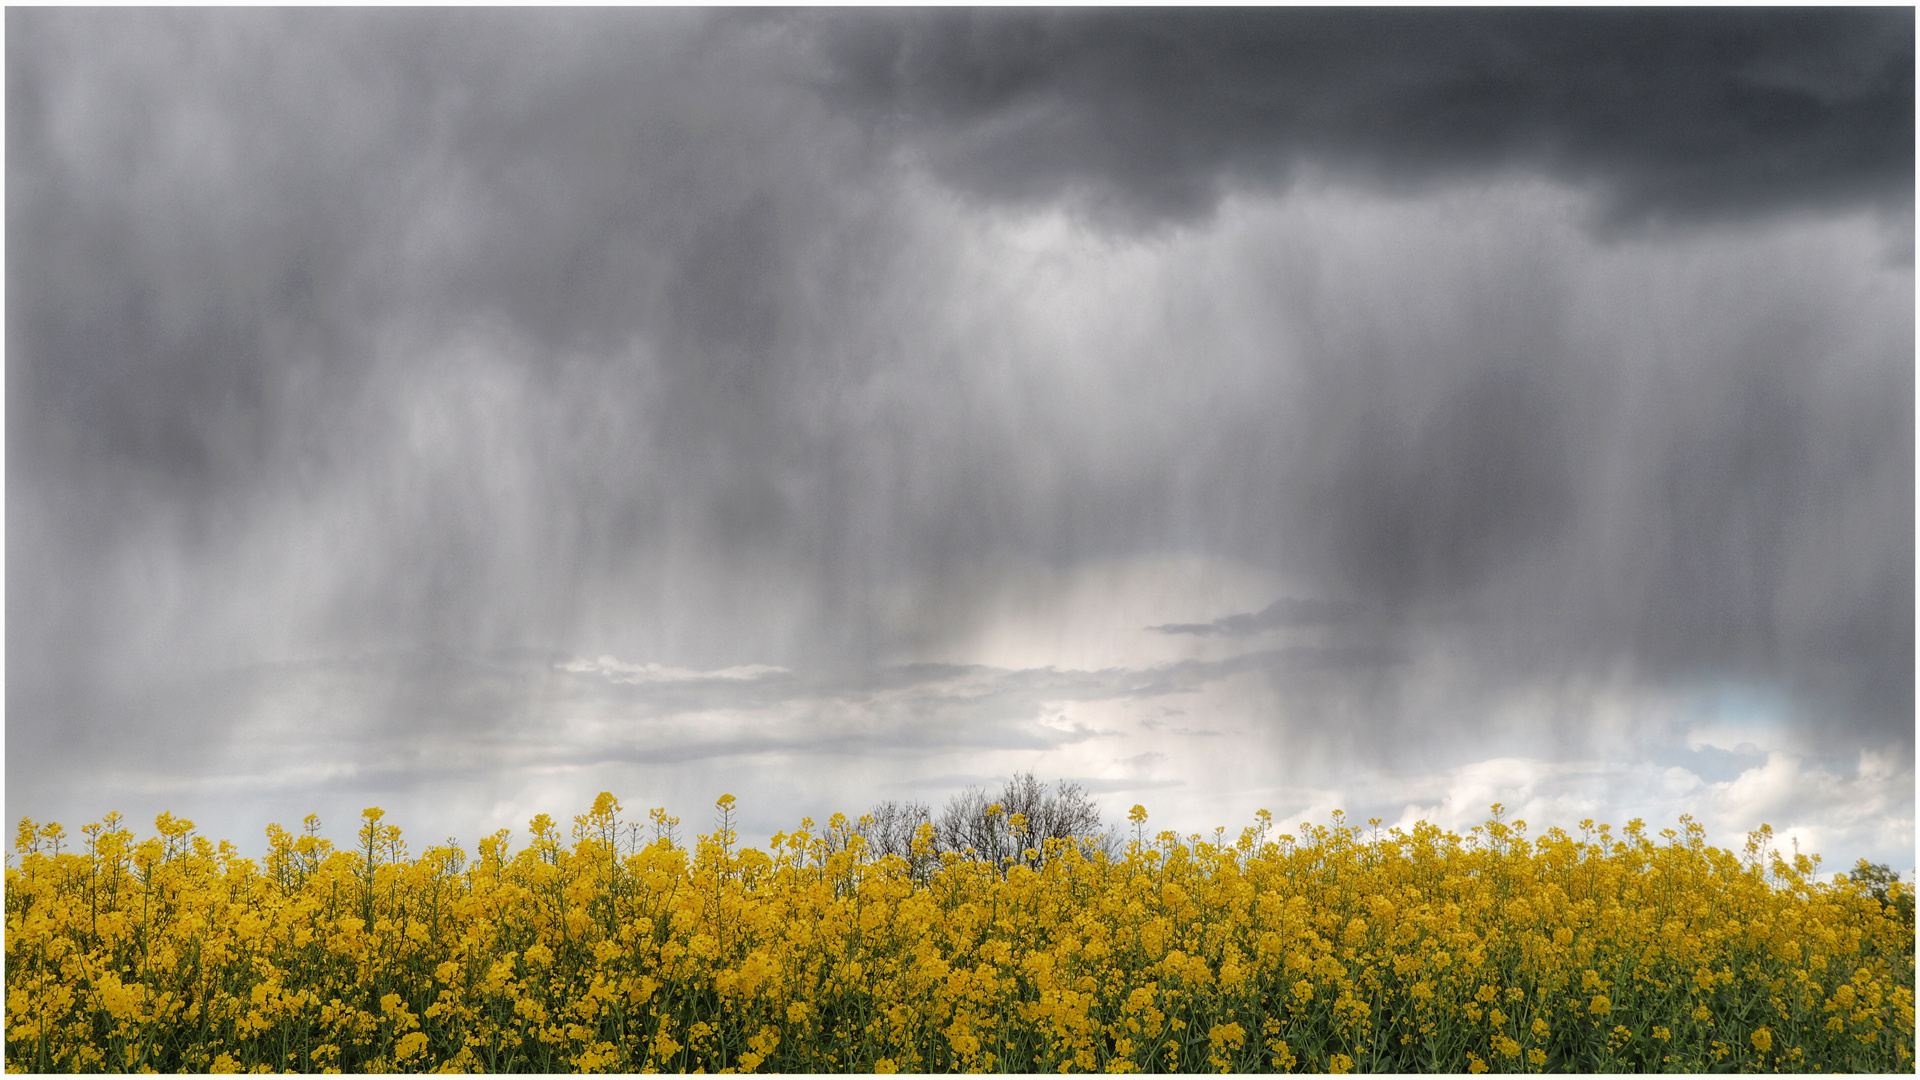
[1334,949]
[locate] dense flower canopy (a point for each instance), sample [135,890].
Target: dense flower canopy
[1335,948]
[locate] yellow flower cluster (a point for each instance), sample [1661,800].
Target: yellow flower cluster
[1329,950]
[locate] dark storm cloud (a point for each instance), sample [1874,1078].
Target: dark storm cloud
[346,334]
[1671,113]
[1666,116]
[266,257]
[1562,500]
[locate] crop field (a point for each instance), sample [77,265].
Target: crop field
[614,947]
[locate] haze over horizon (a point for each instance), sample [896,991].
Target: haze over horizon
[1399,411]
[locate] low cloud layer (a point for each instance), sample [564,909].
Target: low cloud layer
[463,408]
[1285,612]
[1192,740]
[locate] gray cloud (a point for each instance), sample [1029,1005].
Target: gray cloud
[338,336]
[1287,611]
[330,734]
[1674,113]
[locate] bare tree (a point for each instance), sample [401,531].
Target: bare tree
[974,822]
[888,828]
[966,826]
[1065,814]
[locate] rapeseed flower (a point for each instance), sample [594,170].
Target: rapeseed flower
[1324,950]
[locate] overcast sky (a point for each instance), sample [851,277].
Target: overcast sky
[1396,411]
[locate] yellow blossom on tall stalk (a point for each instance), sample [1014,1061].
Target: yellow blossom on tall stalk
[1331,949]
